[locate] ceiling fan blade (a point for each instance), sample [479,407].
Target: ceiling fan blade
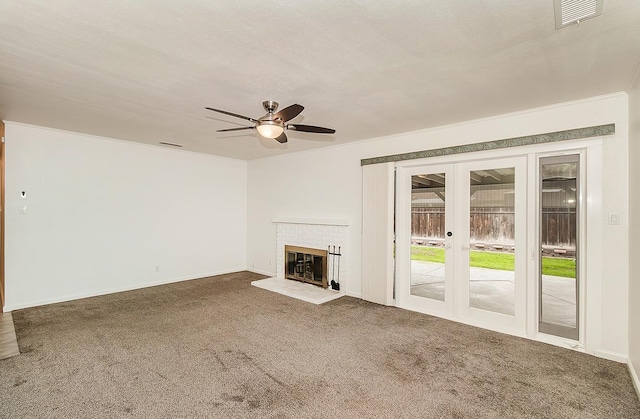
[289,112]
[311,128]
[233,114]
[282,138]
[234,129]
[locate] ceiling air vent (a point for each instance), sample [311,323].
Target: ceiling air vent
[569,12]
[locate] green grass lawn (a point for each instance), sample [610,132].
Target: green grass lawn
[495,260]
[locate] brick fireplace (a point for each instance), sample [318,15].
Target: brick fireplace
[316,236]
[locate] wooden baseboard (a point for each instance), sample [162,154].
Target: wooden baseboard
[612,356]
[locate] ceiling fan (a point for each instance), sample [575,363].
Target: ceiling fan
[273,125]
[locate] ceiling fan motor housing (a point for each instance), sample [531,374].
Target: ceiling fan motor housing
[270,106]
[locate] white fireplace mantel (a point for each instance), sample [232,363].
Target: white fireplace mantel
[310,221]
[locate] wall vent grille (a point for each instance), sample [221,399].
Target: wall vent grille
[569,12]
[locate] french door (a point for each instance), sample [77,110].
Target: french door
[430,267]
[461,242]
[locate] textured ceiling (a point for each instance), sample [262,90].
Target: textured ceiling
[144,70]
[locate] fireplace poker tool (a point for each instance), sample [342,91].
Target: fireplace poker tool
[339,257]
[329,261]
[333,264]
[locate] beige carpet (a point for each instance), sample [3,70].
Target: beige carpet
[218,347]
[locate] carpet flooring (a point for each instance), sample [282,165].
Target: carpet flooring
[218,347]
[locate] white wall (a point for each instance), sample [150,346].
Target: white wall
[634,231]
[324,184]
[328,184]
[102,214]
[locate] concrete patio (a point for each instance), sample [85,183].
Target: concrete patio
[493,290]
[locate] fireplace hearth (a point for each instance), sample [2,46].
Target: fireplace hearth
[306,265]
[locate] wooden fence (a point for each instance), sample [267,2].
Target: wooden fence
[496,225]
[559,227]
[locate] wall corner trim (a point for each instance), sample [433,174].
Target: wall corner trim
[550,137]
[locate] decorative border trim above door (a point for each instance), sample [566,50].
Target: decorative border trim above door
[550,137]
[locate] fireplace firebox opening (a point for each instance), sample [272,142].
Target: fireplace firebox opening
[306,265]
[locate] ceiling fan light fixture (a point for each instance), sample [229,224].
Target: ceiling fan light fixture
[269,129]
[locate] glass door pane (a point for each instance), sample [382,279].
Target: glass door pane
[428,233]
[492,240]
[559,209]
